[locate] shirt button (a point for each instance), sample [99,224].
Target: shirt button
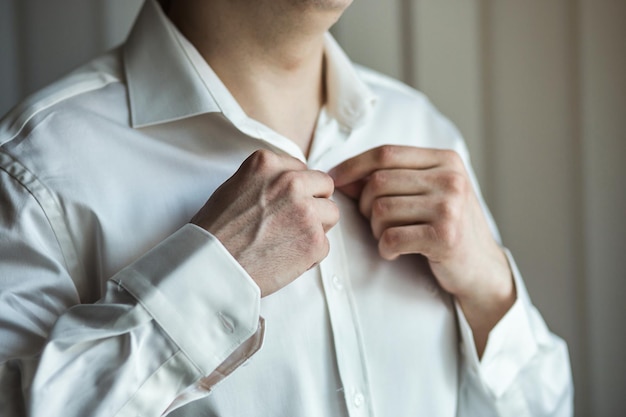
[358,399]
[337,283]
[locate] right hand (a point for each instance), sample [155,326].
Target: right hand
[272,215]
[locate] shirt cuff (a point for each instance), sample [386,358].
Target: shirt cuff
[512,343]
[238,358]
[198,294]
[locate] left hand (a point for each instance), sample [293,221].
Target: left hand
[422,201]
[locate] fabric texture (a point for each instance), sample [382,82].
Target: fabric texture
[111,304]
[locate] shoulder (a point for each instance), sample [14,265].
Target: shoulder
[92,88]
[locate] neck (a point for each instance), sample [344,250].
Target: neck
[268,54]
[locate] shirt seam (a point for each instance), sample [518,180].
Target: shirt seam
[25,113]
[48,205]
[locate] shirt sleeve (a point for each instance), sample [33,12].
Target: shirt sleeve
[166,322]
[524,370]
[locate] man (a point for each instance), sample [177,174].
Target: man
[350,241]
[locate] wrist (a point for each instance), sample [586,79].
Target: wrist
[490,297]
[492,284]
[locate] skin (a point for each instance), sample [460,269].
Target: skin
[269,53]
[421,201]
[272,216]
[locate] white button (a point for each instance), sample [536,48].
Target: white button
[358,399]
[337,283]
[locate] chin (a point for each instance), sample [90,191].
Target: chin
[325,4]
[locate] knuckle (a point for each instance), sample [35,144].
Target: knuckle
[378,181]
[385,154]
[381,207]
[290,181]
[447,235]
[454,182]
[447,211]
[294,181]
[391,239]
[263,160]
[326,182]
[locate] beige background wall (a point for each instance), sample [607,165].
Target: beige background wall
[539,91]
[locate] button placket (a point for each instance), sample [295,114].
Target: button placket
[358,399]
[337,282]
[349,349]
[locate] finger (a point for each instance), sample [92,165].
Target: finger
[386,157]
[402,240]
[304,183]
[393,182]
[353,190]
[265,162]
[319,184]
[289,162]
[327,211]
[389,212]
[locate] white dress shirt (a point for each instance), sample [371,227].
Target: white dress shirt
[111,304]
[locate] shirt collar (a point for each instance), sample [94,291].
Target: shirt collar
[167,80]
[350,100]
